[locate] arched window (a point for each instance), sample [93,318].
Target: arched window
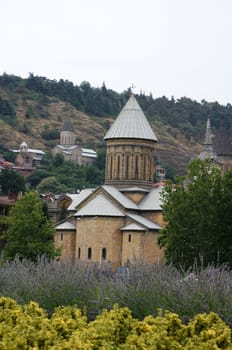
[136,167]
[89,253]
[79,253]
[61,237]
[104,253]
[129,238]
[144,166]
[127,166]
[110,166]
[118,167]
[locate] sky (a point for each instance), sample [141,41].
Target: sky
[164,47]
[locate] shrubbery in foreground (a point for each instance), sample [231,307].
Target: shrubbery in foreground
[143,288]
[29,327]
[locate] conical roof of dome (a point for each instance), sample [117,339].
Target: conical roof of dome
[68,125]
[208,149]
[131,123]
[24,144]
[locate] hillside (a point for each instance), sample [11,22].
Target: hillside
[34,110]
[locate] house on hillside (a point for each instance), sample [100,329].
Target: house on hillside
[70,150]
[119,221]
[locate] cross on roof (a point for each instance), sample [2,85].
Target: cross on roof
[132,89]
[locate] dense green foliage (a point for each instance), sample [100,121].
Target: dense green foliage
[29,327]
[11,182]
[50,134]
[59,176]
[187,115]
[7,111]
[198,215]
[7,154]
[30,233]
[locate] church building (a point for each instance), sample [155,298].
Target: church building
[217,148]
[118,222]
[72,151]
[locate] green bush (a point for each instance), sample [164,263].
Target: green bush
[50,134]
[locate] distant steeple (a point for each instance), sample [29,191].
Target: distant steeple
[23,147]
[67,135]
[208,149]
[68,125]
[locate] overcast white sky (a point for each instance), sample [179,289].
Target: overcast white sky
[167,47]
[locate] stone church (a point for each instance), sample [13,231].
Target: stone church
[217,148]
[72,151]
[118,222]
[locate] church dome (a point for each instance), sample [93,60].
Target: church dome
[131,123]
[23,147]
[68,125]
[130,149]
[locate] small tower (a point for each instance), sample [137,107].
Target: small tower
[208,149]
[23,147]
[130,149]
[67,135]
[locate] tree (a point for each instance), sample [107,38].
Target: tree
[58,160]
[198,215]
[11,182]
[50,184]
[30,233]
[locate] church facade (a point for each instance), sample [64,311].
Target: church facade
[118,222]
[72,151]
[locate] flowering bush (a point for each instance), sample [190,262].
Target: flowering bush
[30,327]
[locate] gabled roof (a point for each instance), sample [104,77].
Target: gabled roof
[119,197]
[133,227]
[131,123]
[134,189]
[30,150]
[66,226]
[86,152]
[152,201]
[143,221]
[78,198]
[99,206]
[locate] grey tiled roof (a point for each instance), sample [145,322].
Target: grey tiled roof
[153,200]
[120,198]
[99,206]
[131,123]
[134,189]
[78,198]
[143,221]
[133,227]
[68,125]
[66,226]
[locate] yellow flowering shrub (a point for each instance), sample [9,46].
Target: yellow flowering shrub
[208,329]
[66,320]
[29,327]
[108,331]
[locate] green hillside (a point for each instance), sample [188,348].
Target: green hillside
[34,110]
